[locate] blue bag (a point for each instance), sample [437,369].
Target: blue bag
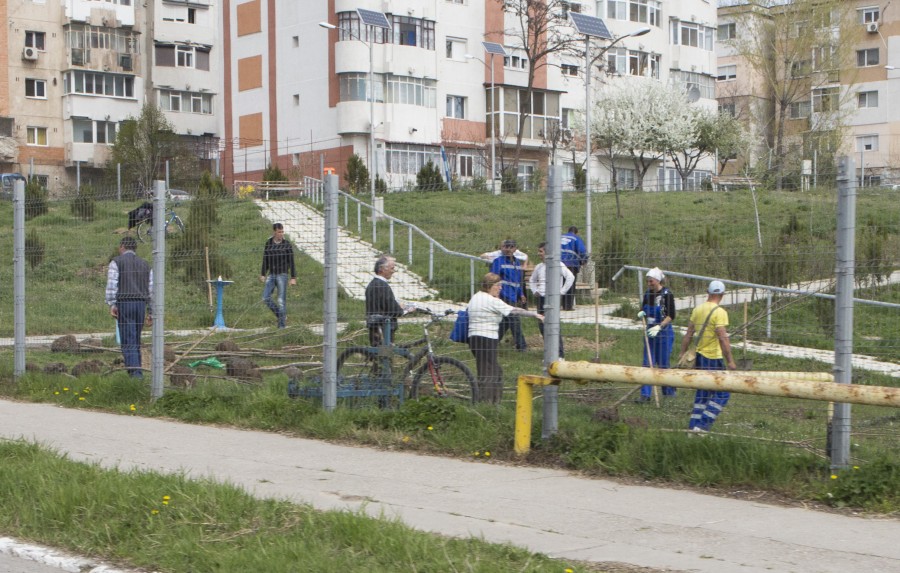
[460,331]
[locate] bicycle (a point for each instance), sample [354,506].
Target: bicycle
[145,227]
[428,374]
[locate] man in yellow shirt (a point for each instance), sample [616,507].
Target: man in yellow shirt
[713,353]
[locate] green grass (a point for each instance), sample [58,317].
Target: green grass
[169,523]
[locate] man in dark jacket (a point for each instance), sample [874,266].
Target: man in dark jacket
[382,308]
[278,261]
[129,288]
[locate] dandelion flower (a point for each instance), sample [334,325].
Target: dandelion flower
[487,454]
[404,439]
[569,570]
[56,393]
[65,388]
[154,512]
[132,408]
[856,467]
[476,454]
[833,476]
[430,428]
[166,498]
[81,398]
[165,503]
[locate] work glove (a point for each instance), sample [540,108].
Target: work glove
[653,330]
[641,315]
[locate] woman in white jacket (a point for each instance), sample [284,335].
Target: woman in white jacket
[486,310]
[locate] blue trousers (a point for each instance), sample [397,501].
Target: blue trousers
[708,404]
[512,322]
[660,350]
[280,308]
[131,324]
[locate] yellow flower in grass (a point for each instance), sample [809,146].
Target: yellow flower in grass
[430,428]
[569,570]
[833,476]
[166,500]
[405,439]
[81,398]
[487,454]
[132,408]
[856,467]
[65,388]
[56,393]
[476,454]
[154,512]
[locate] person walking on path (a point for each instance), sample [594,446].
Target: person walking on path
[381,302]
[129,289]
[486,312]
[657,313]
[573,255]
[278,261]
[509,269]
[537,282]
[713,353]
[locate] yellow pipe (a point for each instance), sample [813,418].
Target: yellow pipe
[808,387]
[524,397]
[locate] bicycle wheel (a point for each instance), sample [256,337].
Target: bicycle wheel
[358,367]
[145,232]
[456,378]
[178,226]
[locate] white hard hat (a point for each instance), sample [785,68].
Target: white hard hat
[716,287]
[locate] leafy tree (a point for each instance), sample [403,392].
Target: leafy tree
[145,143]
[794,49]
[429,178]
[274,173]
[357,175]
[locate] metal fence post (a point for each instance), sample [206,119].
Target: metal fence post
[159,289]
[409,240]
[768,314]
[843,311]
[431,261]
[19,278]
[329,357]
[552,260]
[391,233]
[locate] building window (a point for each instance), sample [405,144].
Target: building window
[98,83]
[296,100]
[726,32]
[727,73]
[181,56]
[408,159]
[570,7]
[868,15]
[867,99]
[541,113]
[625,178]
[412,91]
[825,100]
[355,87]
[568,117]
[106,132]
[633,63]
[644,11]
[35,88]
[82,131]
[515,62]
[413,32]
[456,48]
[799,110]
[350,28]
[569,70]
[729,109]
[456,107]
[690,34]
[36,136]
[688,81]
[867,143]
[866,58]
[187,102]
[34,40]
[465,165]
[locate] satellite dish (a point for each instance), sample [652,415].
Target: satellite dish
[693,94]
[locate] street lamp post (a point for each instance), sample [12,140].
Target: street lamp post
[372,20]
[492,49]
[592,27]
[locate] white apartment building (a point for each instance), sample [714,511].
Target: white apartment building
[75,69]
[296,92]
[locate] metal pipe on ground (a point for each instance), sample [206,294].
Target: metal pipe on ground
[804,385]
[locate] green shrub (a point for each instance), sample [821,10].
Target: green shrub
[429,178]
[357,175]
[35,199]
[871,486]
[274,173]
[34,248]
[188,255]
[509,181]
[83,205]
[419,414]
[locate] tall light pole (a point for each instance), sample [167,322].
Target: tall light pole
[372,20]
[492,49]
[592,27]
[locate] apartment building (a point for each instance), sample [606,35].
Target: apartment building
[75,69]
[296,91]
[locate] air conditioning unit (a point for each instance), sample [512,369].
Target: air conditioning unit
[872,27]
[29,53]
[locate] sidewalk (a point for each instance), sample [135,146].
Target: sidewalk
[549,511]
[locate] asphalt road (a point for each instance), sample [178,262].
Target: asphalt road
[549,511]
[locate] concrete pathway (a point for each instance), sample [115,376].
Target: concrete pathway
[545,510]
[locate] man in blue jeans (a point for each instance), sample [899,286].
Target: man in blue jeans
[129,288]
[278,261]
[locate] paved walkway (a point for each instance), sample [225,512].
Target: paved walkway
[549,511]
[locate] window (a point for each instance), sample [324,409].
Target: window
[465,165]
[98,83]
[355,87]
[690,34]
[413,91]
[688,81]
[625,178]
[35,88]
[729,109]
[726,32]
[456,107]
[867,99]
[82,131]
[187,102]
[726,73]
[569,70]
[633,63]
[295,41]
[617,10]
[408,159]
[568,117]
[36,136]
[182,56]
[799,110]
[34,40]
[106,132]
[296,100]
[515,62]
[867,143]
[866,58]
[413,32]
[825,100]
[801,68]
[542,113]
[645,11]
[867,15]
[568,6]
[456,48]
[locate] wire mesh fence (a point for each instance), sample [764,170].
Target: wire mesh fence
[767,239]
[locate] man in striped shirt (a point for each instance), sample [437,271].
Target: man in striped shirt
[129,289]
